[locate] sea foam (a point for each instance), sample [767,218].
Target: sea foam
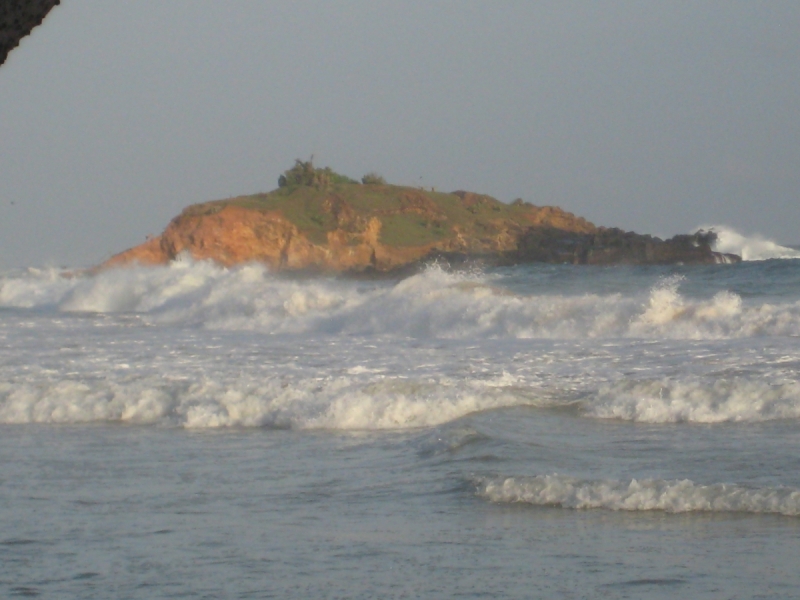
[432,304]
[342,403]
[363,400]
[696,400]
[672,496]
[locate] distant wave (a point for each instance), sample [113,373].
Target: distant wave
[432,304]
[752,247]
[675,496]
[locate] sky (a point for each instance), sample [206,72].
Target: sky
[657,117]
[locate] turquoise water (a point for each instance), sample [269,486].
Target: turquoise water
[538,431]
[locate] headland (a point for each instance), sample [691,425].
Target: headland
[320,221]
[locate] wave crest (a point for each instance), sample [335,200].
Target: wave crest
[343,403]
[675,496]
[696,401]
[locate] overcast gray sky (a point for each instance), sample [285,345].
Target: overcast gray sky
[652,116]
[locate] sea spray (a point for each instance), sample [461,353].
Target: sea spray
[752,247]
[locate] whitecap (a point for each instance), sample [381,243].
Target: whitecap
[671,496]
[750,247]
[340,403]
[696,400]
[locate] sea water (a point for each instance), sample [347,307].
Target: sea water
[539,431]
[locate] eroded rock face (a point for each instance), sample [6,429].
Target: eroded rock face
[237,235]
[17,19]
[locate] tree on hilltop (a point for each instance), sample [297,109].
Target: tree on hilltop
[304,173]
[373,178]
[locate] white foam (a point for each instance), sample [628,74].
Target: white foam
[434,303]
[675,496]
[752,247]
[697,400]
[668,314]
[34,288]
[344,403]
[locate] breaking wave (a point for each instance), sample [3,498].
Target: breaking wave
[752,247]
[675,496]
[696,401]
[365,400]
[342,403]
[434,303]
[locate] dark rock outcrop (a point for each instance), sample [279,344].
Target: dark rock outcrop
[614,246]
[17,19]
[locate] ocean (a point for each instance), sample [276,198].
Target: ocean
[537,431]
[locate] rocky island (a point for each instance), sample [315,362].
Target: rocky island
[319,220]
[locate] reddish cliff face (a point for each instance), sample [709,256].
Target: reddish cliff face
[353,238]
[236,235]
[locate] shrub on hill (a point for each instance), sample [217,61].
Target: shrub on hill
[304,173]
[373,178]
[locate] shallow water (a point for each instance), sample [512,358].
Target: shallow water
[108,511]
[539,431]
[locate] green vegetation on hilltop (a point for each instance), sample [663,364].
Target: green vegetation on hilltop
[304,173]
[373,179]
